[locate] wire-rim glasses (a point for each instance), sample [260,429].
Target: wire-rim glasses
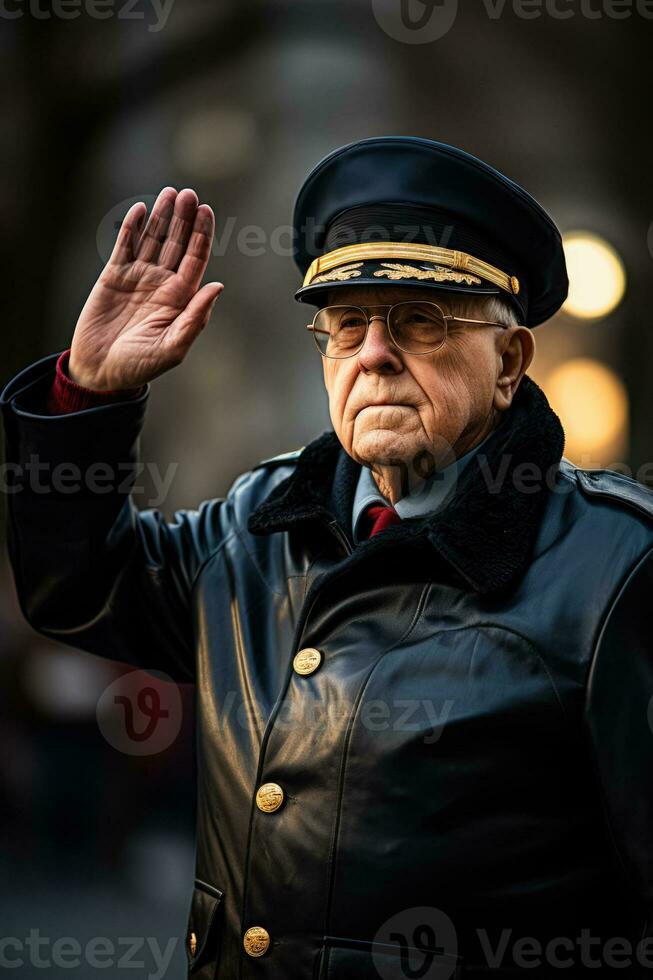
[414,327]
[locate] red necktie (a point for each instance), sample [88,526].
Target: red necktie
[381,517]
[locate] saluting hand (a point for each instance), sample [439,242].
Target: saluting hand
[146,308]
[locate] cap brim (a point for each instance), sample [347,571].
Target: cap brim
[379,274]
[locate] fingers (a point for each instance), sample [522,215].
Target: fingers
[180,230]
[190,323]
[156,229]
[129,234]
[177,235]
[198,250]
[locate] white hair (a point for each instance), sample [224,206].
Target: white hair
[481,307]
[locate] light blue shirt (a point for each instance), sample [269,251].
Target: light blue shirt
[429,496]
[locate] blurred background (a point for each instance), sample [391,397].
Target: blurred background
[104,104]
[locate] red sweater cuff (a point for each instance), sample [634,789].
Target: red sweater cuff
[67,396]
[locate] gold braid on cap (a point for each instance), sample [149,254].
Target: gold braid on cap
[448,257]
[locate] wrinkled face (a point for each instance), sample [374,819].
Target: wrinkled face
[387,405]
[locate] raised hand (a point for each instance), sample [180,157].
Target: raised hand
[147,308]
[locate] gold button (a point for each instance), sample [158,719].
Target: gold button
[256,941]
[307,660]
[515,284]
[192,943]
[269,797]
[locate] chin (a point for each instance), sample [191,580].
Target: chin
[381,446]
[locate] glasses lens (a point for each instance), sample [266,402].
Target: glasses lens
[340,330]
[417,327]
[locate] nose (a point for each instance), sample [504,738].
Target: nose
[378,353]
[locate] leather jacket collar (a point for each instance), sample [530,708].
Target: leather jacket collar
[487,529]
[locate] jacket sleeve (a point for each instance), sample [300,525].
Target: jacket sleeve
[67,396]
[91,570]
[619,718]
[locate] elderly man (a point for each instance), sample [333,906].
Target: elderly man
[437,628]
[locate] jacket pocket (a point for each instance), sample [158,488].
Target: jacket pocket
[204,927]
[344,959]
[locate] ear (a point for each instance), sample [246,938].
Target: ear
[516,351]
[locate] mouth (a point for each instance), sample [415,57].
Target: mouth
[385,405]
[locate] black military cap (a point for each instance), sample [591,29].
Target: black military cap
[402,210]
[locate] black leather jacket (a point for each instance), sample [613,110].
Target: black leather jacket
[470,750]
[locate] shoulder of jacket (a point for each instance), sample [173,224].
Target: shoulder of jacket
[282,459]
[610,485]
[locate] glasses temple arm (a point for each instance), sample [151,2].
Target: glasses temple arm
[466,319]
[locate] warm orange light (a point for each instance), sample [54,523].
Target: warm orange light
[597,278]
[593,406]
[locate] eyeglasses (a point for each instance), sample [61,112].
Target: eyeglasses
[415,328]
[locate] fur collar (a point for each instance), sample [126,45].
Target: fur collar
[485,531]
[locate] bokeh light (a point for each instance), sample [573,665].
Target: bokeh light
[597,278]
[592,403]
